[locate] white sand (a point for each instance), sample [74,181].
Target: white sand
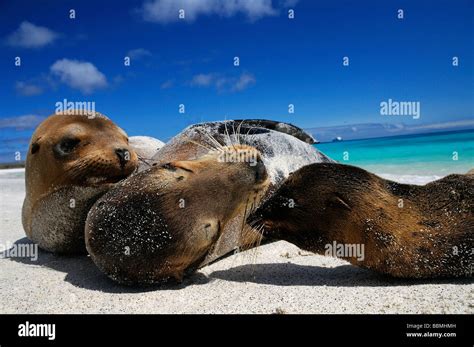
[274,278]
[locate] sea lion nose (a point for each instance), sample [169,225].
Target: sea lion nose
[260,172]
[124,156]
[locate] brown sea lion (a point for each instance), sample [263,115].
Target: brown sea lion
[403,230]
[284,149]
[280,153]
[162,222]
[73,158]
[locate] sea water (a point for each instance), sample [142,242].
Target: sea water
[415,159]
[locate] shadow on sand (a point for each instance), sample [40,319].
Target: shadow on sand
[289,274]
[82,272]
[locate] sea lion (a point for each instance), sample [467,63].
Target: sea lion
[162,222]
[280,154]
[73,158]
[407,231]
[284,149]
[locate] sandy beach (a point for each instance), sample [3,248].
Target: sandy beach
[275,278]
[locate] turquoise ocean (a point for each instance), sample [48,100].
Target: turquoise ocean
[415,159]
[408,158]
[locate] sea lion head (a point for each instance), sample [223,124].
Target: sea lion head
[316,201]
[78,148]
[74,155]
[162,222]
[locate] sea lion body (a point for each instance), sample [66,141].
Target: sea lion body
[407,231]
[284,148]
[73,158]
[140,204]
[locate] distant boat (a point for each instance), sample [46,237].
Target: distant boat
[337,139]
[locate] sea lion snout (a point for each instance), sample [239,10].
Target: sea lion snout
[124,156]
[261,174]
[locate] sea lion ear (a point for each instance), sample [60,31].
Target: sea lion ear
[338,201]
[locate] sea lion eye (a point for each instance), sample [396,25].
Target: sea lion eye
[174,167]
[169,166]
[34,148]
[66,146]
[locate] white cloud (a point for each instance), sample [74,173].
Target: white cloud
[24,122]
[27,89]
[166,11]
[80,75]
[138,53]
[29,35]
[223,83]
[167,84]
[203,80]
[245,80]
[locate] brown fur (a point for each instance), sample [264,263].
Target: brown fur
[162,222]
[407,231]
[70,156]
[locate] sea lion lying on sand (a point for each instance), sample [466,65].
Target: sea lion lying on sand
[136,232]
[407,231]
[73,158]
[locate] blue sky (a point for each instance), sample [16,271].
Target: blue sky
[282,61]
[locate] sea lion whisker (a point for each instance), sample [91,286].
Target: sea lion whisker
[244,217]
[201,145]
[233,128]
[250,128]
[143,160]
[219,145]
[252,247]
[203,133]
[258,239]
[228,135]
[213,140]
[251,137]
[238,131]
